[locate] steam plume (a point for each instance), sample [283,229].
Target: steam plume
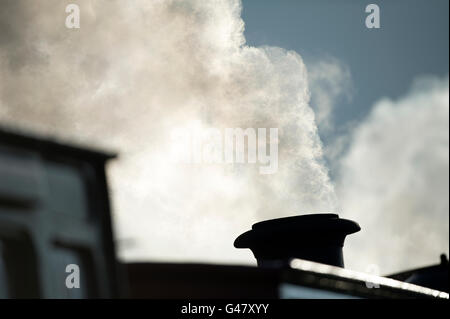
[394,181]
[135,70]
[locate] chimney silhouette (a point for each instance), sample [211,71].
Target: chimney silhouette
[315,237]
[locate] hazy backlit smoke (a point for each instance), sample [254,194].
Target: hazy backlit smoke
[394,181]
[137,69]
[330,82]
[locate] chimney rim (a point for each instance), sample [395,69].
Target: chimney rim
[309,225]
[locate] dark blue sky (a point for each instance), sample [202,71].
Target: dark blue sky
[412,41]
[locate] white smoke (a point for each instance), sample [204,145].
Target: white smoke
[331,84]
[394,181]
[137,69]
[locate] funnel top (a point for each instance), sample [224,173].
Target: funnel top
[315,237]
